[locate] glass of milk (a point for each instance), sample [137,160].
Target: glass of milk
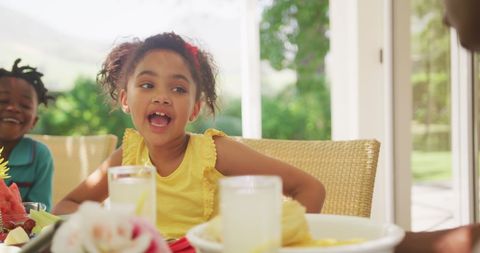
[250,208]
[133,189]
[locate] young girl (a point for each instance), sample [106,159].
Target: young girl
[30,162]
[162,82]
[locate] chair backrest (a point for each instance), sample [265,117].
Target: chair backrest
[74,158]
[346,168]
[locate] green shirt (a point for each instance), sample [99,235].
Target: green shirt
[31,168]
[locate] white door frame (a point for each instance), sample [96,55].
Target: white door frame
[250,68]
[371,92]
[464,158]
[402,111]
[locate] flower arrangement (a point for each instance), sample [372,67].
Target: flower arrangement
[12,212]
[3,166]
[10,199]
[95,229]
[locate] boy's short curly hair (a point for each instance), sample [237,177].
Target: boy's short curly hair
[122,60]
[31,76]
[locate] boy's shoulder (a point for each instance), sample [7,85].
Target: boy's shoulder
[30,141]
[37,146]
[27,151]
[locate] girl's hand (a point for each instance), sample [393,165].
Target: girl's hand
[94,187]
[235,158]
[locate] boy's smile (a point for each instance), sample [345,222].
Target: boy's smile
[18,108]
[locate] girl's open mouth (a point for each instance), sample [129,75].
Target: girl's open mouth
[159,119]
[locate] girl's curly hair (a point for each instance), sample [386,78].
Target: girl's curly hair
[122,60]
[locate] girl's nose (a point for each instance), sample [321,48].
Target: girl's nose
[161,100]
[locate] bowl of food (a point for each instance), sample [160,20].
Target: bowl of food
[12,220]
[9,249]
[330,234]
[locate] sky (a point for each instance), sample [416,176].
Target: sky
[214,25]
[107,19]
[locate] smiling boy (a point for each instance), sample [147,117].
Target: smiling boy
[30,162]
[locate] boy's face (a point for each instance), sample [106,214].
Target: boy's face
[464,16]
[18,108]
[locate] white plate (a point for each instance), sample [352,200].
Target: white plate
[8,249]
[380,238]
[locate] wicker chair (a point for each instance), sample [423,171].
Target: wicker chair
[346,168]
[74,158]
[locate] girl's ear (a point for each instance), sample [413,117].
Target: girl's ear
[123,101]
[196,111]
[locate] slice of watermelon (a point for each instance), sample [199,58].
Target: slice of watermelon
[11,205]
[16,194]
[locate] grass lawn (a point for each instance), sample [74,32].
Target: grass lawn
[431,166]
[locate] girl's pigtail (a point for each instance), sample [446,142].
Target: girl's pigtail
[207,74]
[111,76]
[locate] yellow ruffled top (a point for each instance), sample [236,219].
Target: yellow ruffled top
[188,196]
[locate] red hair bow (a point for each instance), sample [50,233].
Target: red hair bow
[193,50]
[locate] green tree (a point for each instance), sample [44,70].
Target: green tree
[82,111]
[227,120]
[293,36]
[289,116]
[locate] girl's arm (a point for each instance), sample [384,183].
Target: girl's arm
[235,158]
[94,187]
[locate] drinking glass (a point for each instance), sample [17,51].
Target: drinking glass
[133,189]
[37,206]
[251,208]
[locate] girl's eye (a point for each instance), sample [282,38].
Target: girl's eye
[146,85]
[3,101]
[180,89]
[25,106]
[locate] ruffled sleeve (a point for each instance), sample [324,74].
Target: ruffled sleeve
[214,132]
[132,144]
[210,174]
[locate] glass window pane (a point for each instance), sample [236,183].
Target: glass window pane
[431,155]
[295,93]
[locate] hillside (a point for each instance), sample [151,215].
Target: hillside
[60,57]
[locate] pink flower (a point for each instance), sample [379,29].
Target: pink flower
[157,243]
[95,229]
